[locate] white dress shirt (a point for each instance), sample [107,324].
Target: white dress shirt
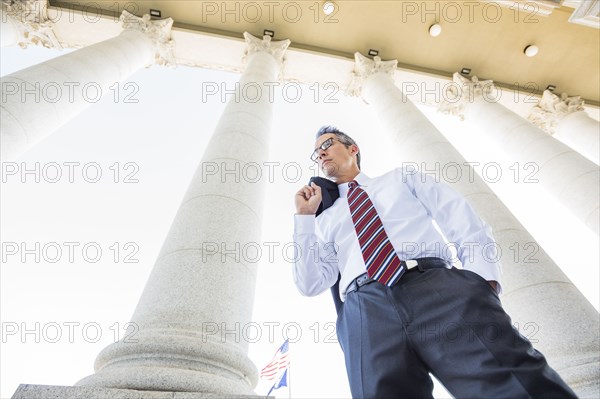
[407,202]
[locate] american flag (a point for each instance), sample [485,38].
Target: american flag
[279,362]
[282,382]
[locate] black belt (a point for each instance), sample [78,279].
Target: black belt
[411,264]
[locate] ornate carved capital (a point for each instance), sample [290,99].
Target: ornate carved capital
[158,31]
[539,7]
[256,45]
[463,92]
[586,12]
[365,67]
[32,20]
[552,109]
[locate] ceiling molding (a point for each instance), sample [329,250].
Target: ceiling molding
[483,36]
[587,13]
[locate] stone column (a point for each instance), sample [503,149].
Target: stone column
[201,290]
[9,29]
[26,22]
[570,177]
[535,290]
[38,100]
[565,118]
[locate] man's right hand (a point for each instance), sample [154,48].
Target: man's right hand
[308,199]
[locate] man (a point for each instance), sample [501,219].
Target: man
[407,312]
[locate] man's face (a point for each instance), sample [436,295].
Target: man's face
[337,159]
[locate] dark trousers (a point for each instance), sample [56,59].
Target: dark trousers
[447,322]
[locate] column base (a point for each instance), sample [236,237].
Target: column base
[27,391]
[172,360]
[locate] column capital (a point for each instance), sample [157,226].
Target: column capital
[463,91]
[32,21]
[159,32]
[364,67]
[276,49]
[552,109]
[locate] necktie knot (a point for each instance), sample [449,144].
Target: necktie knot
[353,184]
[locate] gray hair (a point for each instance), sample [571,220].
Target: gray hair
[341,136]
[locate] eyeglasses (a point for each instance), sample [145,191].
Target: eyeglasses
[324,145]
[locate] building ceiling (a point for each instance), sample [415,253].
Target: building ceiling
[480,35]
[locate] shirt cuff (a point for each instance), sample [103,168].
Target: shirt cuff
[304,224]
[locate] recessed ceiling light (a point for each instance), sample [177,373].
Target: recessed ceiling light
[328,7]
[465,71]
[531,50]
[435,30]
[551,88]
[373,53]
[155,13]
[269,33]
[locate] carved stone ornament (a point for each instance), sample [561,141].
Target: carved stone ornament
[586,13]
[158,31]
[532,8]
[365,67]
[276,49]
[32,22]
[462,92]
[552,109]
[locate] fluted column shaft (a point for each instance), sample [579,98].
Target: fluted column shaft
[201,291]
[9,31]
[582,133]
[38,100]
[565,118]
[539,292]
[570,177]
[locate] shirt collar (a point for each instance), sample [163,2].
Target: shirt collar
[361,178]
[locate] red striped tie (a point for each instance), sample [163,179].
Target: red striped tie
[380,257]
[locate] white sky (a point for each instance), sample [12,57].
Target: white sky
[163,136]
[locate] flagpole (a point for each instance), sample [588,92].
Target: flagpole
[290,378]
